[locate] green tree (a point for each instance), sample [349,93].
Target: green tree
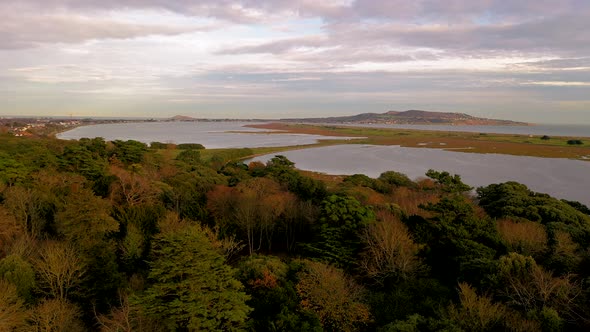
[85,222]
[396,179]
[18,271]
[447,182]
[189,156]
[191,288]
[84,216]
[96,145]
[515,200]
[80,160]
[11,171]
[158,145]
[190,146]
[460,244]
[271,284]
[306,188]
[512,199]
[342,219]
[186,194]
[129,152]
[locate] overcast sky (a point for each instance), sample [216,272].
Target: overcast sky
[514,59]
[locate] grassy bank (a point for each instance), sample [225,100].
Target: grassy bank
[522,145]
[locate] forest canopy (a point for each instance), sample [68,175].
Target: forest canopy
[119,236]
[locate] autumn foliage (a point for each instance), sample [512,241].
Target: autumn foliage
[116,236]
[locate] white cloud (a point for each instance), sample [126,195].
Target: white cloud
[558,83]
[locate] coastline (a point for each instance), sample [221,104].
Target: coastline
[467,142]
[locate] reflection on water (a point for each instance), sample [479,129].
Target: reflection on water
[562,178]
[212,135]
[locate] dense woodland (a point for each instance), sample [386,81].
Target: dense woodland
[119,236]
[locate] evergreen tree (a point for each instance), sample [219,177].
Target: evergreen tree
[192,289]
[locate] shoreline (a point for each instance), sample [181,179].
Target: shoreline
[467,142]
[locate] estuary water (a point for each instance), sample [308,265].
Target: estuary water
[561,178]
[212,135]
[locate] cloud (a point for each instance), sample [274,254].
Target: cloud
[334,10]
[572,66]
[562,34]
[452,53]
[559,83]
[278,46]
[26,31]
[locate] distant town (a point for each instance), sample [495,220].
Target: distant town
[48,126]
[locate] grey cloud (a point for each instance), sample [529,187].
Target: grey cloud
[563,34]
[458,11]
[28,30]
[408,11]
[241,11]
[565,63]
[331,51]
[338,57]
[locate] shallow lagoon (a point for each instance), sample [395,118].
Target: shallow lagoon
[562,178]
[212,135]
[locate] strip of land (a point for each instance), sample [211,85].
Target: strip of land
[511,144]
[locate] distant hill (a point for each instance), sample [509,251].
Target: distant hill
[413,117]
[182,118]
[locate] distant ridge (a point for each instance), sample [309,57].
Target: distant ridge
[413,117]
[182,118]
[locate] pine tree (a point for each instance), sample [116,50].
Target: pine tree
[192,289]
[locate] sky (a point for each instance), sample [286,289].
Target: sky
[526,60]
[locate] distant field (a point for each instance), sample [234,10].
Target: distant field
[554,147]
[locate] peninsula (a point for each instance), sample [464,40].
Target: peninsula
[416,117]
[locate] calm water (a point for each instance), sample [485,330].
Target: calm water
[540,130]
[211,134]
[562,178]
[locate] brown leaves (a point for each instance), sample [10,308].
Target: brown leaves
[334,297]
[409,200]
[254,207]
[525,237]
[56,315]
[530,287]
[13,314]
[476,313]
[132,187]
[59,269]
[389,250]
